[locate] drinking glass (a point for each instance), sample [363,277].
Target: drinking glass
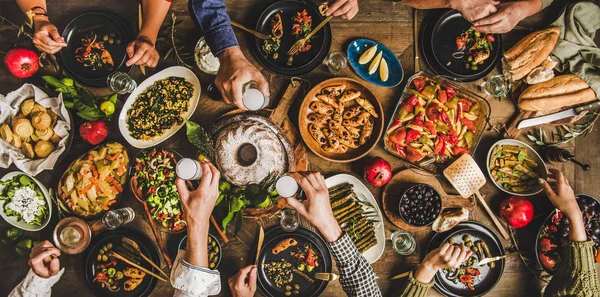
[496,86]
[121,82]
[252,98]
[404,243]
[289,220]
[336,62]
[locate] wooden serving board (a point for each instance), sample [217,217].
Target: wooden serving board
[279,117]
[401,181]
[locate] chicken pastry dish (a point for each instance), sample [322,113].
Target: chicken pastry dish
[341,119]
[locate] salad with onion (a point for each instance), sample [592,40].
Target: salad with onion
[155,171]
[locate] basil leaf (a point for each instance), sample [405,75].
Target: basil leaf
[201,139]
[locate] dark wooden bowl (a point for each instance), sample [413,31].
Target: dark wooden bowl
[351,154]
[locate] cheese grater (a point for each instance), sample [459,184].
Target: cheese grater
[466,176]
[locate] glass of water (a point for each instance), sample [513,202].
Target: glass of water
[121,82]
[496,86]
[289,220]
[336,62]
[252,98]
[404,243]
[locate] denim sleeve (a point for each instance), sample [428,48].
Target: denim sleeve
[214,24]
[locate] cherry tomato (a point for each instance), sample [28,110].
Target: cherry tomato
[398,136]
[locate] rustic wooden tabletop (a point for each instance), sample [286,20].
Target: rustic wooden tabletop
[385,21]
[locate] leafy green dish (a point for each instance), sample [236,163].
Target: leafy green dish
[23,199]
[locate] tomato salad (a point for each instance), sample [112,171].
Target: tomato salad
[433,124]
[155,170]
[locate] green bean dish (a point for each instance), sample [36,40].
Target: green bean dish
[159,108]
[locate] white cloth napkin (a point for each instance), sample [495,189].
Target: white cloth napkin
[9,107]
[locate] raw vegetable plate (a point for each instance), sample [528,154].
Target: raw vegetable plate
[395,71]
[373,254]
[303,62]
[485,279]
[25,185]
[278,240]
[175,71]
[114,239]
[154,171]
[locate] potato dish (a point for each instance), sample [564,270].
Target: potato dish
[512,169]
[93,182]
[340,119]
[32,130]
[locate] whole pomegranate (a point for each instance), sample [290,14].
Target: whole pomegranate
[22,63]
[93,132]
[516,211]
[378,172]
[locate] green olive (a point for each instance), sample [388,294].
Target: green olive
[105,37]
[212,265]
[467,238]
[451,241]
[104,258]
[474,249]
[469,58]
[474,67]
[296,292]
[288,293]
[468,244]
[288,287]
[216,249]
[101,252]
[296,287]
[109,245]
[99,257]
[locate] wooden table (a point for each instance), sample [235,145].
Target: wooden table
[386,21]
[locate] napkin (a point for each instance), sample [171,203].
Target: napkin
[9,107]
[576,51]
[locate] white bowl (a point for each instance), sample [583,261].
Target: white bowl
[12,219]
[541,170]
[178,71]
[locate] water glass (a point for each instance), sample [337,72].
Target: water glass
[252,98]
[114,219]
[289,220]
[496,86]
[404,243]
[121,82]
[336,62]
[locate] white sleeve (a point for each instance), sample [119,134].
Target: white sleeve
[35,286]
[193,281]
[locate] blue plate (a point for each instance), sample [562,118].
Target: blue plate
[358,47]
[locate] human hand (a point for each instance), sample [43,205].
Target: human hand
[346,9]
[43,259]
[562,196]
[474,10]
[243,284]
[446,256]
[235,71]
[141,51]
[509,14]
[317,207]
[198,204]
[46,37]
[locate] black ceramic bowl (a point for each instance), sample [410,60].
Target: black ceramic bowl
[420,205]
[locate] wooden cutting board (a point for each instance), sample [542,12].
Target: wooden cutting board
[404,179]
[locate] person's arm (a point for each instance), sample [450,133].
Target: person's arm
[44,273]
[141,51]
[46,37]
[190,275]
[356,275]
[576,275]
[472,10]
[214,24]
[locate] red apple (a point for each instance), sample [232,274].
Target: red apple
[378,172]
[516,211]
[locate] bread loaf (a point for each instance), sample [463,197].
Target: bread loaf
[529,53]
[558,92]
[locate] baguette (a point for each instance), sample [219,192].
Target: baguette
[560,91]
[529,53]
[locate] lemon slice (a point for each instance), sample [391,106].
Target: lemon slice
[375,63]
[383,70]
[367,55]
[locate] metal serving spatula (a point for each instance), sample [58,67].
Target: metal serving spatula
[466,176]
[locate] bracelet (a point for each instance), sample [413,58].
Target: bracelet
[31,14]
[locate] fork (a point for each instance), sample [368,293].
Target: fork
[328,277]
[300,42]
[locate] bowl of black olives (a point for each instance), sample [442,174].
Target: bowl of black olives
[420,205]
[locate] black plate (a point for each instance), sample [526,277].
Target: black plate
[303,62]
[101,23]
[115,237]
[302,236]
[490,276]
[438,42]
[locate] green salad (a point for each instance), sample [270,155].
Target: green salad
[24,200]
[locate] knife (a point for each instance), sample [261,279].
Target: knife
[261,238]
[494,259]
[557,116]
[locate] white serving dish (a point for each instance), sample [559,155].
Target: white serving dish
[373,254]
[12,219]
[541,170]
[178,71]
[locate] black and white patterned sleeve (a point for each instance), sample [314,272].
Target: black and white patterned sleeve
[193,281]
[35,286]
[356,275]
